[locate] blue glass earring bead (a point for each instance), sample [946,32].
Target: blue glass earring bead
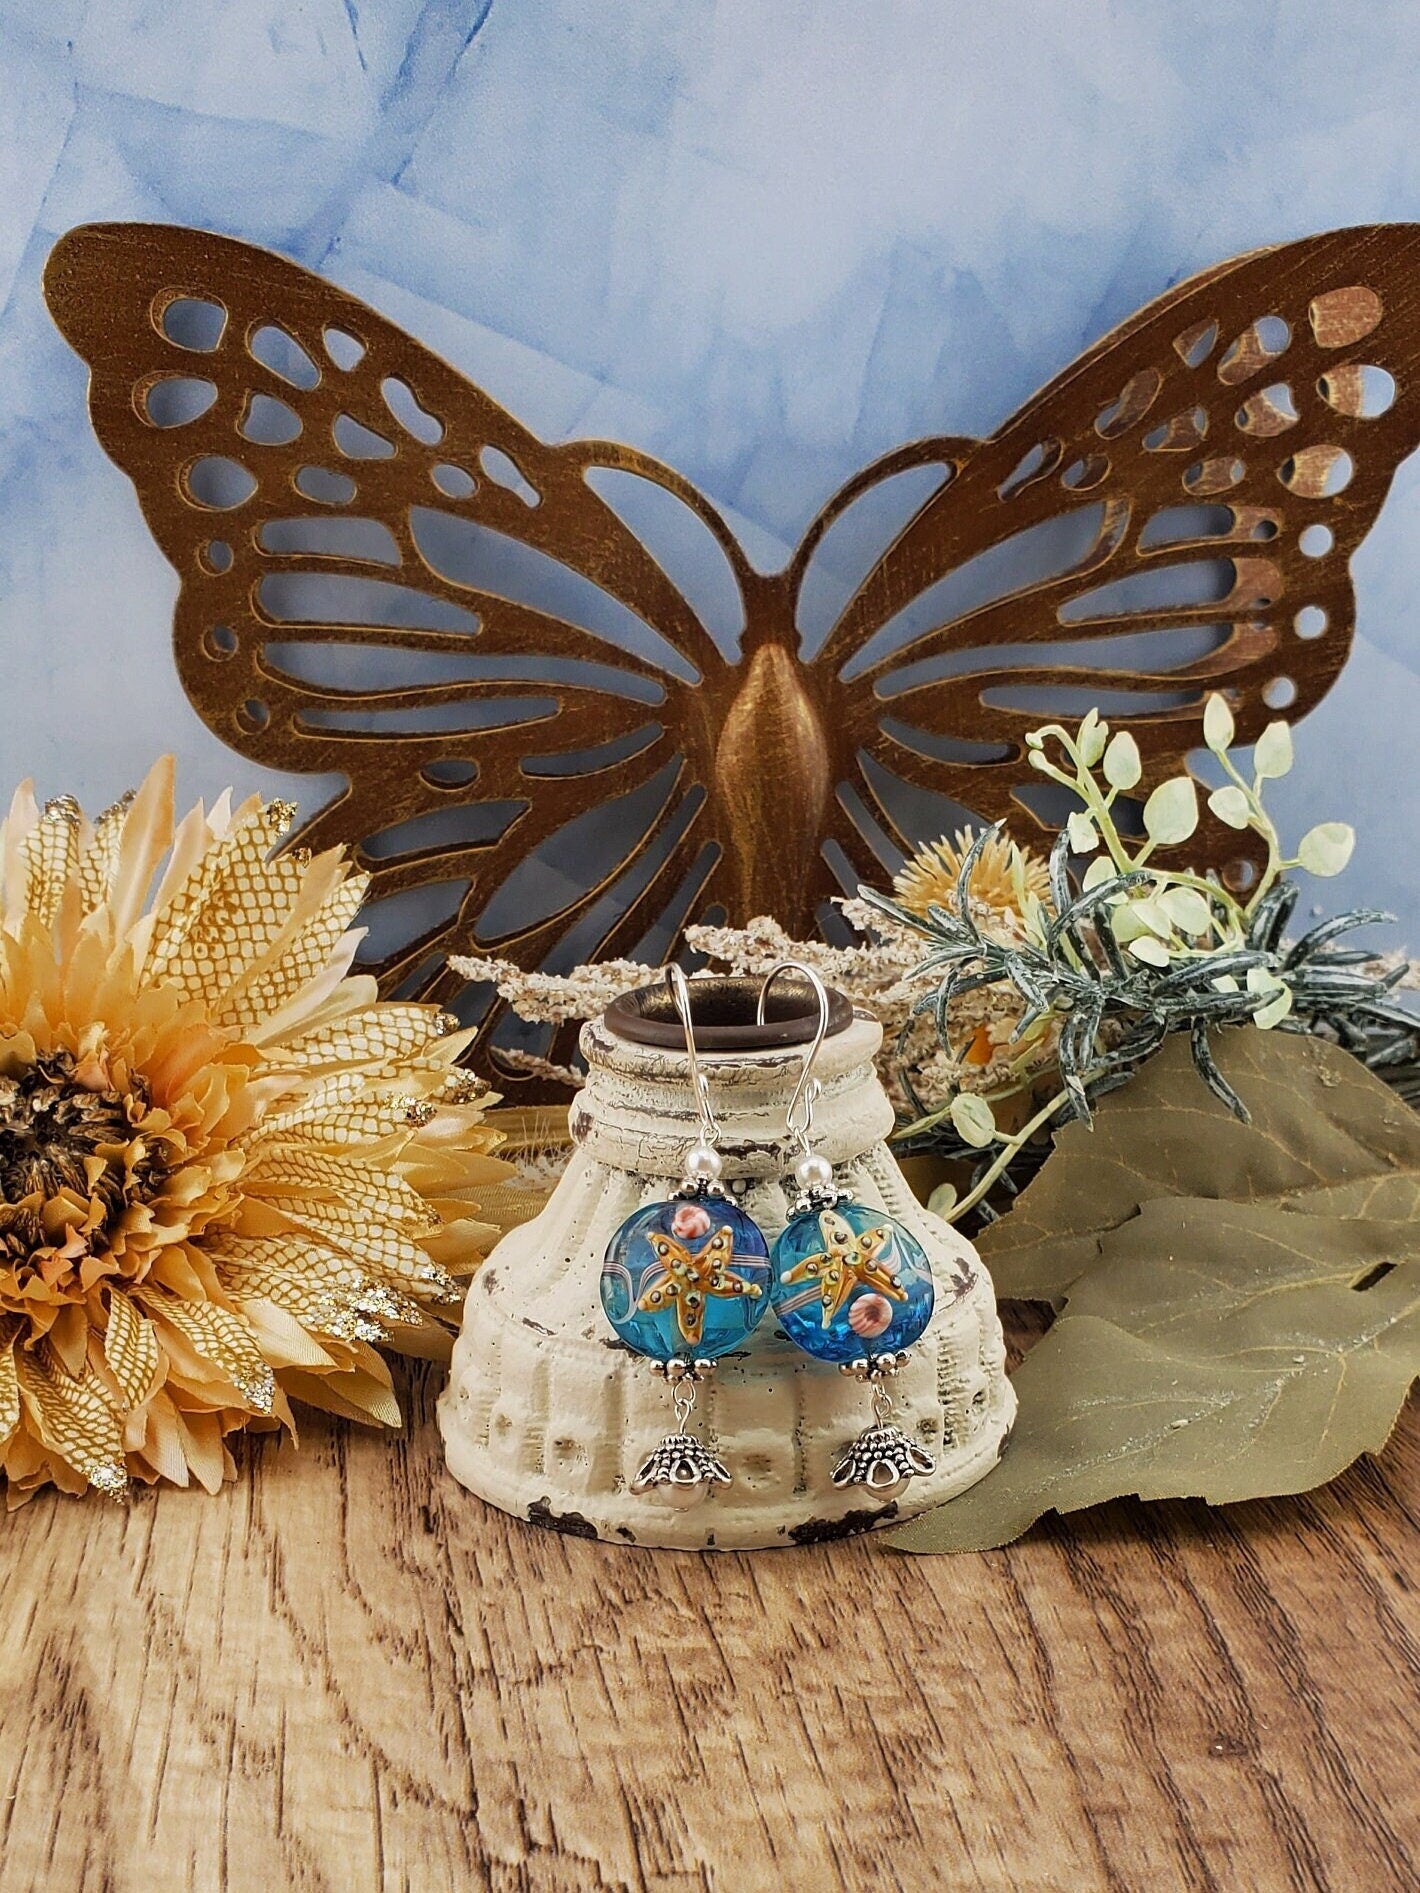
[850,1282]
[687,1279]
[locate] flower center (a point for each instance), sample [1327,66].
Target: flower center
[69,1159]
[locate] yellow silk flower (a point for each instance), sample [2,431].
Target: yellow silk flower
[226,1169]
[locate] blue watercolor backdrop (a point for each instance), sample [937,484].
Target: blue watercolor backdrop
[766,242]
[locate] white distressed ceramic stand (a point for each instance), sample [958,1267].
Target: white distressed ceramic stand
[547,1415]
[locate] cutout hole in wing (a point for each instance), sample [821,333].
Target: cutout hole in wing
[682,544]
[1032,557]
[324,485]
[359,442]
[395,921]
[1359,390]
[465,825]
[586,762]
[344,349]
[1270,411]
[193,323]
[1221,475]
[215,557]
[1316,540]
[885,850]
[267,422]
[917,814]
[1280,693]
[219,642]
[337,665]
[331,536]
[1317,473]
[504,471]
[282,354]
[174,400]
[1082,476]
[1067,702]
[1179,435]
[1182,586]
[658,941]
[458,717]
[455,483]
[462,552]
[1258,346]
[579,855]
[1038,463]
[1174,525]
[1342,316]
[338,599]
[954,749]
[1195,345]
[1142,647]
[449,772]
[416,421]
[217,483]
[1310,622]
[1130,405]
[853,544]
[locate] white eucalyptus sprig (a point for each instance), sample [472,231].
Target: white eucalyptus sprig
[1141,949]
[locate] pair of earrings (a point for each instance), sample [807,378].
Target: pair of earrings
[687,1280]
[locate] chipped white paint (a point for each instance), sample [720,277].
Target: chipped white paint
[547,1416]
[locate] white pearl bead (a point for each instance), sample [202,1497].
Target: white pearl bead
[814,1172]
[703,1164]
[682,1498]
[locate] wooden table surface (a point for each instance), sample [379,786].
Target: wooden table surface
[345,1673]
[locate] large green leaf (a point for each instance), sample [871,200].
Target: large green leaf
[1318,1118]
[1242,1312]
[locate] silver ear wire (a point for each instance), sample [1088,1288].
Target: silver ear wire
[703,1162]
[813,1173]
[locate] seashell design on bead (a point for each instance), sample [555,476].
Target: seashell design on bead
[870,1316]
[549,1416]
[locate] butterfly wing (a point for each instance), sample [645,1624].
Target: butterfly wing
[1174,514]
[385,578]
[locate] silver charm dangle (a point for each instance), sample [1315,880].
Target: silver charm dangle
[883,1458]
[682,1469]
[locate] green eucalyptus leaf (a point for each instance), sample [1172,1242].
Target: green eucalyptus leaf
[973,1120]
[1218,726]
[1231,805]
[1187,909]
[1326,848]
[1083,836]
[943,1200]
[1171,812]
[1243,1300]
[1273,754]
[1092,737]
[1154,915]
[1100,869]
[1261,980]
[1150,950]
[1122,767]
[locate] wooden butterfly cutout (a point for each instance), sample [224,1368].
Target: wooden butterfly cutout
[385,578]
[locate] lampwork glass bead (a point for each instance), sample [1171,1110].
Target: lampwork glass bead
[687,1279]
[850,1282]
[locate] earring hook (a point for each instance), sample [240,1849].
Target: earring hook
[680,993]
[799,1117]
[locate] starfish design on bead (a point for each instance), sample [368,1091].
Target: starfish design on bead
[686,1279]
[849,1259]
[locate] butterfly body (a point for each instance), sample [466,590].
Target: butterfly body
[386,579]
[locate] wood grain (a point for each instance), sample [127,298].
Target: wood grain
[345,1674]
